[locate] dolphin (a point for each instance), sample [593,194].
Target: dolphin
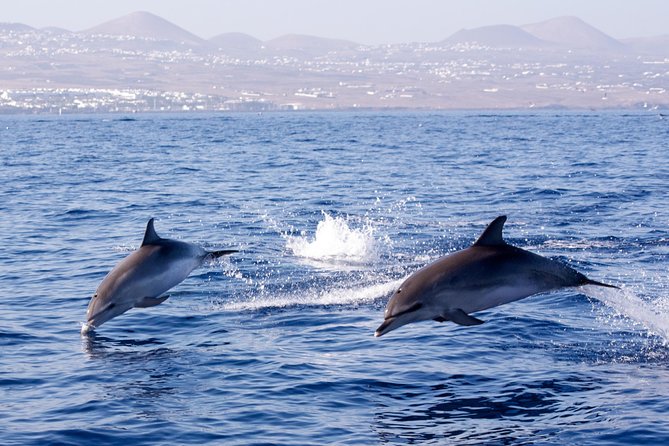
[487,274]
[140,279]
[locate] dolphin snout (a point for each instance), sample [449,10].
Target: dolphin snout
[104,314]
[395,319]
[385,327]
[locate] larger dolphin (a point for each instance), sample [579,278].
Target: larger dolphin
[140,279]
[487,274]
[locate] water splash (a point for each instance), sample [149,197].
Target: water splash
[86,329]
[335,241]
[653,316]
[358,294]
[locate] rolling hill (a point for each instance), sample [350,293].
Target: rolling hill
[496,36]
[146,25]
[572,32]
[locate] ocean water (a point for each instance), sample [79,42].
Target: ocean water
[330,211]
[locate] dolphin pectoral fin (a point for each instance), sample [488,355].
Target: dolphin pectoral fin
[148,302]
[461,318]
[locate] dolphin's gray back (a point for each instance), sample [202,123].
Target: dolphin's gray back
[482,277]
[142,277]
[487,274]
[148,272]
[511,263]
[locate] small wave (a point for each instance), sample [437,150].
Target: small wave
[335,241]
[653,317]
[79,214]
[184,170]
[318,297]
[125,248]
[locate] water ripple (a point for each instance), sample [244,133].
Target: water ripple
[331,211]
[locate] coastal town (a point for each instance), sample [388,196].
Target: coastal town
[115,68]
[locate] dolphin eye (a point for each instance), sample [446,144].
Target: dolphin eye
[399,290]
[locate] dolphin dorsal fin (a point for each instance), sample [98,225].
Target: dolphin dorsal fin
[492,236]
[150,236]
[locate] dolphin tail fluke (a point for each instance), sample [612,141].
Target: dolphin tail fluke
[221,253]
[587,281]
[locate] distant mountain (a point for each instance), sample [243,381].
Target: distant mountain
[496,36]
[146,25]
[572,32]
[308,45]
[15,27]
[237,44]
[50,70]
[656,45]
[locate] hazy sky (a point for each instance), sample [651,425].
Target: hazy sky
[363,21]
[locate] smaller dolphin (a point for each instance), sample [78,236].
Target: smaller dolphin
[487,274]
[139,280]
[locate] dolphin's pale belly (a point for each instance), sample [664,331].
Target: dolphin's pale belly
[493,297]
[162,278]
[505,279]
[485,297]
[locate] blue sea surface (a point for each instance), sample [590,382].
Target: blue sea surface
[330,212]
